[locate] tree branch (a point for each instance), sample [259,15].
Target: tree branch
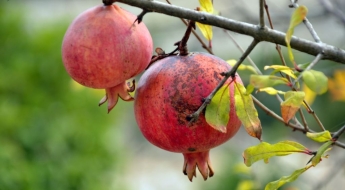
[296,127]
[330,52]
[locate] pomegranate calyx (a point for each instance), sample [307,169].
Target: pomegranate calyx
[200,160]
[120,91]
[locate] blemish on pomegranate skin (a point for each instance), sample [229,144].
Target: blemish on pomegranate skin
[191,149]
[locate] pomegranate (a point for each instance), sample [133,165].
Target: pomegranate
[168,92]
[103,47]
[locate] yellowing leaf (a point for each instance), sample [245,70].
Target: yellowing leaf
[264,151]
[297,17]
[217,111]
[206,5]
[324,148]
[336,85]
[206,30]
[262,81]
[271,91]
[293,101]
[242,67]
[281,68]
[285,179]
[316,81]
[246,111]
[320,137]
[309,94]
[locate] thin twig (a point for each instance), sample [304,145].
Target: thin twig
[196,35]
[311,65]
[269,35]
[242,51]
[329,7]
[305,124]
[312,112]
[193,117]
[337,134]
[262,17]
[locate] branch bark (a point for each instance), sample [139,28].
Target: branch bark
[330,52]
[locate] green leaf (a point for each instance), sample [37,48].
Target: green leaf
[217,111]
[293,101]
[324,148]
[246,111]
[320,137]
[281,68]
[297,17]
[242,67]
[250,88]
[264,151]
[262,81]
[316,81]
[285,179]
[270,91]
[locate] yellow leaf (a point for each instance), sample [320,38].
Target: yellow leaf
[206,5]
[281,68]
[297,17]
[206,30]
[270,91]
[320,137]
[336,85]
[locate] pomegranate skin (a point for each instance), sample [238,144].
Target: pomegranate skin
[103,47]
[169,91]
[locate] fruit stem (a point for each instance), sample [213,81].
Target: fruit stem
[182,45]
[108,2]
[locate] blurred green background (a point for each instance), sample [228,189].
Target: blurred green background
[54,136]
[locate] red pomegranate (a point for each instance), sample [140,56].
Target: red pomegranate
[172,89]
[103,47]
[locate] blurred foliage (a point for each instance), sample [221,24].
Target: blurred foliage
[51,136]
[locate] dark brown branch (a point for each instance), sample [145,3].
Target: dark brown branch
[330,52]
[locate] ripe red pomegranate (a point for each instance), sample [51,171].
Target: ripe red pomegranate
[103,47]
[172,89]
